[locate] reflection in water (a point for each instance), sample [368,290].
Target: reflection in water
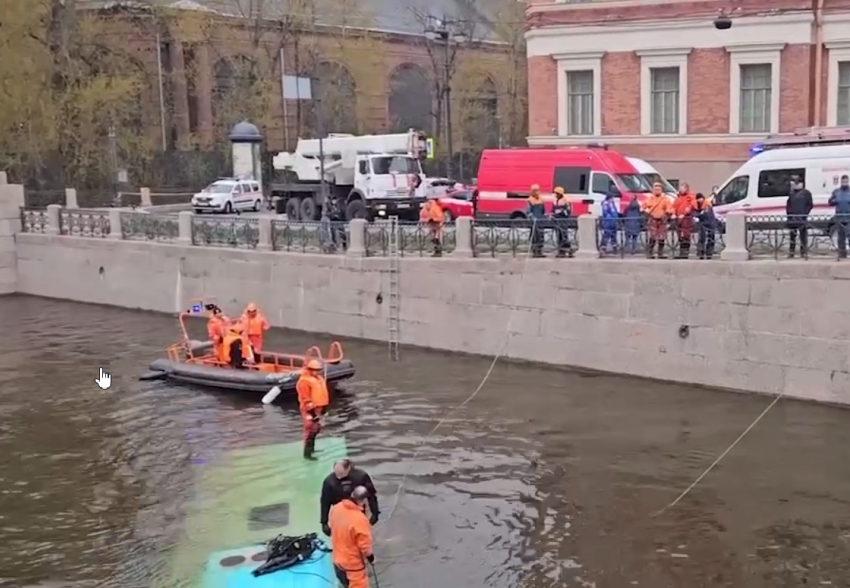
[546,479]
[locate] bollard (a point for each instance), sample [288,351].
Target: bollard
[71,198]
[357,238]
[146,197]
[736,237]
[54,220]
[587,248]
[264,243]
[115,230]
[463,237]
[184,225]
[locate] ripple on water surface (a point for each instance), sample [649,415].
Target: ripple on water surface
[546,479]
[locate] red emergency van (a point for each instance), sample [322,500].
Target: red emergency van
[586,174]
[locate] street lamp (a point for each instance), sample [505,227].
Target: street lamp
[443,31]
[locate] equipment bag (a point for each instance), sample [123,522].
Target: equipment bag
[284,552]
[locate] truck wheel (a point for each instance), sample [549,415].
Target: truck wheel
[293,209]
[356,209]
[309,209]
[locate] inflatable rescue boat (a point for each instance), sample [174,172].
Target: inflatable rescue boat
[194,362]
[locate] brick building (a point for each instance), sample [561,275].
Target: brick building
[375,59]
[656,80]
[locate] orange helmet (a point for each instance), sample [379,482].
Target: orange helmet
[251,307]
[314,364]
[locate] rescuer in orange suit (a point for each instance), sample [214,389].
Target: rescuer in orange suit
[217,328]
[255,325]
[236,348]
[313,399]
[433,216]
[351,537]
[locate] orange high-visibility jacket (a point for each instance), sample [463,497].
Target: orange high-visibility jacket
[351,536]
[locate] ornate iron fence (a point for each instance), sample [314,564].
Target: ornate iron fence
[149,227]
[626,237]
[226,232]
[525,237]
[324,236]
[414,239]
[797,236]
[33,221]
[84,223]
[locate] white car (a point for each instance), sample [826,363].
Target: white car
[229,196]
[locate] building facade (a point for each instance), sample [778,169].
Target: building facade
[657,80]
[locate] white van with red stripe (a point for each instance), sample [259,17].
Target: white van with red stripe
[762,184]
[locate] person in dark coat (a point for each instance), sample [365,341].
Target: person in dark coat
[339,485]
[707,226]
[633,219]
[840,199]
[797,209]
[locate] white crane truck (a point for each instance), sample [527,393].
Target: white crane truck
[366,176]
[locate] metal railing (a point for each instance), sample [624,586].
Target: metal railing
[414,239]
[324,236]
[670,239]
[237,232]
[523,237]
[780,236]
[84,223]
[142,226]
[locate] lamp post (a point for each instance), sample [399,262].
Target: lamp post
[444,32]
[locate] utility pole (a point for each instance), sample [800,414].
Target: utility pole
[445,31]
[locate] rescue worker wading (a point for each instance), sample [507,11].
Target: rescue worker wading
[255,325]
[313,399]
[217,328]
[535,210]
[340,484]
[351,537]
[434,218]
[236,349]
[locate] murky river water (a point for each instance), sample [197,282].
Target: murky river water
[546,479]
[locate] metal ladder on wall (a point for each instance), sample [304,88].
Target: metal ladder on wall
[393,319]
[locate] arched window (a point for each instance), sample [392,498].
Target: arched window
[410,102]
[334,86]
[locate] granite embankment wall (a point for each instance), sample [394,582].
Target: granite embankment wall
[757,326]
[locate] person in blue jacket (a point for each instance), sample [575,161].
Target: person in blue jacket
[840,199]
[610,222]
[632,225]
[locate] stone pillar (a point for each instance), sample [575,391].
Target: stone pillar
[146,197]
[204,85]
[265,238]
[54,220]
[587,247]
[463,237]
[115,231]
[71,198]
[180,93]
[11,202]
[736,237]
[356,238]
[184,220]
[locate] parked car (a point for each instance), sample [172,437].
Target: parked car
[228,196]
[457,203]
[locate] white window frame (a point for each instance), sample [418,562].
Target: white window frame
[757,54]
[656,59]
[584,61]
[838,52]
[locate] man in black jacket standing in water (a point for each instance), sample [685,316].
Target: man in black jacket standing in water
[339,485]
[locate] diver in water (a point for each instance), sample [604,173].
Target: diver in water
[351,537]
[339,485]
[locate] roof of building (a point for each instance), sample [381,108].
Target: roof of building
[398,16]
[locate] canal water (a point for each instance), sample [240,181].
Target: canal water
[547,478]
